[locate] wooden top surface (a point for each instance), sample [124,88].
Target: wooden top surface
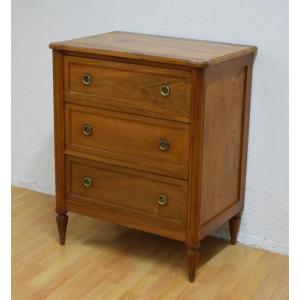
[155,48]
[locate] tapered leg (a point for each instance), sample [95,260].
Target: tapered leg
[62,222]
[192,259]
[234,224]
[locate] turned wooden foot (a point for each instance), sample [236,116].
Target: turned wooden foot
[62,221]
[234,224]
[192,259]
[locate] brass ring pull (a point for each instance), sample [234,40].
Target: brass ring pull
[87,182]
[162,200]
[87,129]
[164,145]
[86,79]
[165,90]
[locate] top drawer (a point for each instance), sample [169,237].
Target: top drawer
[120,86]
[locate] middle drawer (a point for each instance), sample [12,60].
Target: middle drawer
[155,145]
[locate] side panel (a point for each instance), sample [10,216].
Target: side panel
[227,98]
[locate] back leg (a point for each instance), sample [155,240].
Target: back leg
[234,224]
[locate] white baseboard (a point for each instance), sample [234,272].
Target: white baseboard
[262,243]
[33,186]
[255,242]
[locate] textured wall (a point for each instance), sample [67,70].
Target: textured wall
[262,23]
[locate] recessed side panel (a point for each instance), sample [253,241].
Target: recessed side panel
[223,135]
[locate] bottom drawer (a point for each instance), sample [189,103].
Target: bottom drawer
[134,193]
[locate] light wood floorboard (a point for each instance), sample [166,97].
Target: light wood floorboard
[106,261]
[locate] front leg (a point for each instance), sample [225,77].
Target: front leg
[192,260]
[62,222]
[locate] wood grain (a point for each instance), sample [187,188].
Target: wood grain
[105,261]
[62,222]
[127,85]
[223,140]
[195,174]
[129,138]
[59,137]
[125,189]
[152,48]
[204,120]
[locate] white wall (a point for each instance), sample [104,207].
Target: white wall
[262,23]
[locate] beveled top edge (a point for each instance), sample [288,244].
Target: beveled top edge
[153,48]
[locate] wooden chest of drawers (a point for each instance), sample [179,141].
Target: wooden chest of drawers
[151,133]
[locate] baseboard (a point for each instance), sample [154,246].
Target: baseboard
[33,186]
[253,241]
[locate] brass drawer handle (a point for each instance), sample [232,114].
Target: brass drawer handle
[164,145]
[165,90]
[162,200]
[87,129]
[87,182]
[86,79]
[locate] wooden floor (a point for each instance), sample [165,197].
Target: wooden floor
[105,261]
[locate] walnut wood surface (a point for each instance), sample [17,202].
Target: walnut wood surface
[127,190]
[205,119]
[62,222]
[222,146]
[130,86]
[155,48]
[59,121]
[192,261]
[195,174]
[129,138]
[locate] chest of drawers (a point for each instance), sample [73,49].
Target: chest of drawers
[151,133]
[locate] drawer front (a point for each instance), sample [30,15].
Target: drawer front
[155,145]
[142,88]
[133,192]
